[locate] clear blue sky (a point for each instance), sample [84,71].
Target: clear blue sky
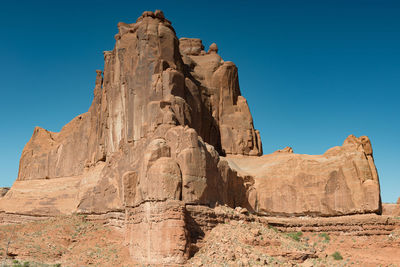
[313,71]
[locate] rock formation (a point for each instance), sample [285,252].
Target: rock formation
[341,181]
[167,128]
[391,209]
[3,191]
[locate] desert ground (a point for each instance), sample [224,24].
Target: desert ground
[242,239]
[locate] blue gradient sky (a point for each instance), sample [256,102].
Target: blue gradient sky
[313,71]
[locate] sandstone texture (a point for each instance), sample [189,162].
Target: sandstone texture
[3,191]
[168,129]
[391,209]
[343,180]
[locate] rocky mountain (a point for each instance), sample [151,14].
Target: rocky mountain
[169,133]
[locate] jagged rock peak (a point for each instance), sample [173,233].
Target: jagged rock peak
[287,149]
[191,46]
[213,48]
[195,47]
[158,15]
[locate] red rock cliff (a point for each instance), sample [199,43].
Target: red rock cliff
[168,128]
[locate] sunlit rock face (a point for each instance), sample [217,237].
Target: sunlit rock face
[168,127]
[343,180]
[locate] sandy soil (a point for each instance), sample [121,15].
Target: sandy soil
[69,241]
[77,241]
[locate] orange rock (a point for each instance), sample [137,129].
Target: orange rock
[163,116]
[3,191]
[343,180]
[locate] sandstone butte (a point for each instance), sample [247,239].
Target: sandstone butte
[168,131]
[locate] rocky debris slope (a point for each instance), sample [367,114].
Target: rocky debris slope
[249,244]
[169,130]
[66,240]
[242,239]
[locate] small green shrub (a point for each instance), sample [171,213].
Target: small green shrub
[295,236]
[16,264]
[337,256]
[325,236]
